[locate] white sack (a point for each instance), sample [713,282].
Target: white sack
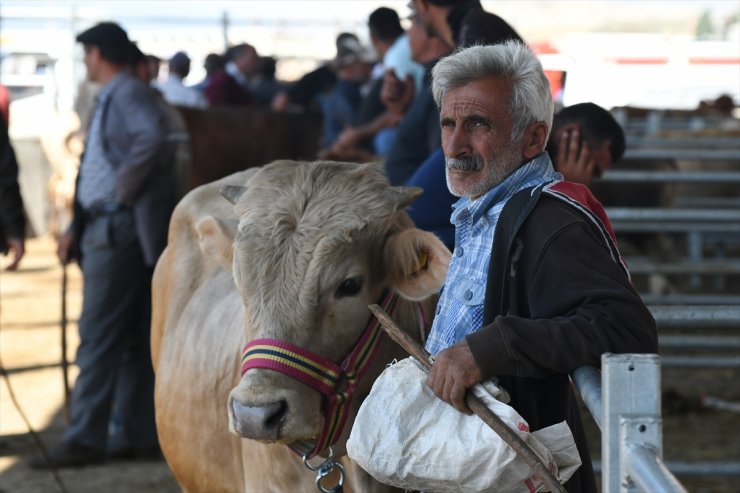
[405,436]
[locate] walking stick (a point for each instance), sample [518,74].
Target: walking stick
[473,402]
[65,364]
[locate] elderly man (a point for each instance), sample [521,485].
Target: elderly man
[535,287]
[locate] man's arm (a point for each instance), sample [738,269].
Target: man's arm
[581,305]
[145,126]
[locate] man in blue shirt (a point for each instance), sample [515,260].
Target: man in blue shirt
[536,287]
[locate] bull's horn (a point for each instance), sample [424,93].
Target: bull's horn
[403,196]
[232,192]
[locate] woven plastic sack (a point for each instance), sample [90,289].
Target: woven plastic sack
[407,437]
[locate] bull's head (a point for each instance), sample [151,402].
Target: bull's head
[316,243]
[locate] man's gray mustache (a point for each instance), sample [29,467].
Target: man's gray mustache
[465,163]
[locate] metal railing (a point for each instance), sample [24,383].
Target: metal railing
[655,219]
[654,176]
[632,431]
[624,400]
[684,154]
[717,318]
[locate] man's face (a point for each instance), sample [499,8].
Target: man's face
[417,37]
[92,62]
[602,157]
[476,137]
[248,61]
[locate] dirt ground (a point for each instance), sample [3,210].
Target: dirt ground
[30,347]
[30,305]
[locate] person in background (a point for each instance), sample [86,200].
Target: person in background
[173,89]
[153,62]
[123,201]
[12,218]
[354,64]
[5,104]
[309,93]
[264,85]
[585,141]
[230,86]
[464,22]
[212,64]
[536,286]
[376,123]
[418,133]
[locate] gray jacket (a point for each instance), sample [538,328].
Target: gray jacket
[134,140]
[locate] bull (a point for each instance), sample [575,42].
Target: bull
[282,261]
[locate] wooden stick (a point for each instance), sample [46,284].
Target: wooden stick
[473,402]
[65,363]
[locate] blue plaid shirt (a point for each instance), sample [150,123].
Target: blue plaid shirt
[460,307]
[97,176]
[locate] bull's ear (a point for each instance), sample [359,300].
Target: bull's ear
[216,238]
[404,196]
[232,192]
[417,263]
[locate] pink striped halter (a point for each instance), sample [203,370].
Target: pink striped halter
[337,382]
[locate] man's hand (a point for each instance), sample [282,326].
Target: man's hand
[574,159]
[64,247]
[395,94]
[348,139]
[453,373]
[17,246]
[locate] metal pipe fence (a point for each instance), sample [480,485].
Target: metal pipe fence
[640,265]
[643,176]
[684,142]
[683,154]
[624,400]
[696,316]
[677,299]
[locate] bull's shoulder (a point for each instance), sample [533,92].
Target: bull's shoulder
[207,199]
[183,267]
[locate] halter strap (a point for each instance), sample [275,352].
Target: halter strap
[336,382]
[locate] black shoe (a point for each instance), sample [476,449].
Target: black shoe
[69,455]
[136,454]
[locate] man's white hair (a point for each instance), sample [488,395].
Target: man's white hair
[531,101]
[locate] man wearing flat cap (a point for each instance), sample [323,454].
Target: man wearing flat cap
[123,201]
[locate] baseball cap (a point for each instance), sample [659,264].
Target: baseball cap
[349,50]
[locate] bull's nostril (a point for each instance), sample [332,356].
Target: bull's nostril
[277,417]
[259,422]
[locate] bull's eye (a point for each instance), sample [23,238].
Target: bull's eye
[349,287]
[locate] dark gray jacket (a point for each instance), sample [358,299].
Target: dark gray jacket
[12,220]
[557,297]
[134,140]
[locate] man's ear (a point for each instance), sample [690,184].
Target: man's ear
[417,263]
[216,238]
[534,141]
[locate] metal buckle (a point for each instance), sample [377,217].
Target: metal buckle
[324,469]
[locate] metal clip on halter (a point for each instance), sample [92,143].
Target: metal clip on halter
[325,469]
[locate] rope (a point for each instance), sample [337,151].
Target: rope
[37,441]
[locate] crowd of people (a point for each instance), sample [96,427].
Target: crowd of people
[456,104]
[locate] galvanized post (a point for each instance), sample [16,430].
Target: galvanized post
[631,400]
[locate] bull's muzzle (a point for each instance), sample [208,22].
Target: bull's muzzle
[258,422]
